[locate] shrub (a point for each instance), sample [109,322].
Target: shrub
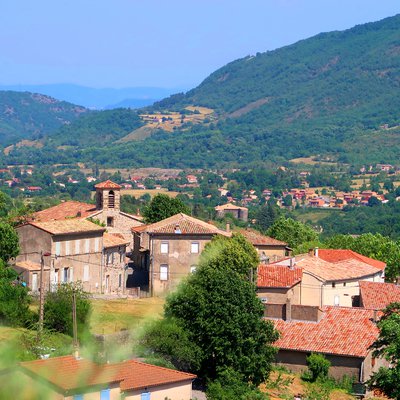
[318,367]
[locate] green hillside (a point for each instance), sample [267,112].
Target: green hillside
[25,115]
[335,95]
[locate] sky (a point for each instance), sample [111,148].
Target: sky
[159,43]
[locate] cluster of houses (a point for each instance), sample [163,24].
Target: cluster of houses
[325,301]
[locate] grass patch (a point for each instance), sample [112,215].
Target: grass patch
[109,316]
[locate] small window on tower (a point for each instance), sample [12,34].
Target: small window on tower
[110,221]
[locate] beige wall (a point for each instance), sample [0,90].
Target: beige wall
[179,259]
[310,290]
[115,394]
[177,391]
[280,295]
[274,253]
[32,241]
[114,270]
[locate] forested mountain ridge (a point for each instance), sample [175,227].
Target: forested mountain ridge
[335,95]
[25,115]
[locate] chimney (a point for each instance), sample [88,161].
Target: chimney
[288,316]
[310,252]
[375,317]
[316,252]
[291,263]
[228,227]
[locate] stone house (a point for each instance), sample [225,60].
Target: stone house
[342,334]
[107,211]
[72,378]
[114,261]
[237,212]
[278,283]
[168,250]
[72,252]
[268,248]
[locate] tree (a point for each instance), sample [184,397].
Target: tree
[267,215]
[288,200]
[318,367]
[387,379]
[58,308]
[294,233]
[163,206]
[374,201]
[14,298]
[9,242]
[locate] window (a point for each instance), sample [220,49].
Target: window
[164,248]
[333,284]
[87,246]
[108,259]
[105,394]
[78,397]
[145,396]
[77,246]
[110,221]
[119,280]
[58,248]
[194,248]
[193,268]
[34,282]
[85,273]
[65,275]
[111,199]
[163,272]
[96,244]
[337,300]
[71,274]
[344,283]
[67,248]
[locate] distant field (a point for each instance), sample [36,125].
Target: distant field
[314,216]
[152,192]
[310,161]
[111,316]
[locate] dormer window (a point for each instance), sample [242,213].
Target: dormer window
[177,229]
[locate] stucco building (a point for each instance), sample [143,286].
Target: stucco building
[168,250]
[241,213]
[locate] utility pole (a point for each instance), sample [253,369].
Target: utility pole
[75,325]
[41,296]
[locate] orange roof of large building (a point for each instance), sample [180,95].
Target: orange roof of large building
[378,295]
[69,373]
[336,271]
[67,209]
[181,224]
[67,226]
[278,276]
[342,331]
[107,185]
[336,255]
[257,238]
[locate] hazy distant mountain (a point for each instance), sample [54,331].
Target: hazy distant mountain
[32,116]
[98,98]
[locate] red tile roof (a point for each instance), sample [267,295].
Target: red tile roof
[256,238]
[113,240]
[70,373]
[107,185]
[341,331]
[335,255]
[378,295]
[229,206]
[278,276]
[67,226]
[68,209]
[342,270]
[182,223]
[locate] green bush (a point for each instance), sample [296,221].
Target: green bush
[318,368]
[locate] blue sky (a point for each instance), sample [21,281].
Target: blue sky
[166,43]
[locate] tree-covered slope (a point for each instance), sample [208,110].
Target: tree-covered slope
[25,115]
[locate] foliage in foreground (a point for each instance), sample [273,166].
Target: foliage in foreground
[387,346]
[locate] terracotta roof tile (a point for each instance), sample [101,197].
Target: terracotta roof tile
[29,265]
[68,209]
[343,270]
[70,373]
[256,238]
[229,206]
[182,223]
[378,295]
[107,185]
[113,240]
[342,331]
[336,255]
[278,276]
[66,226]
